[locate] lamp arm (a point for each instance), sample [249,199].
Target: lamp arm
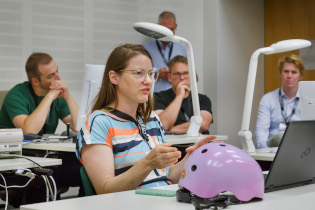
[247,143]
[196,120]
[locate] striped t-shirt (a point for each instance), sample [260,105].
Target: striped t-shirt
[127,144]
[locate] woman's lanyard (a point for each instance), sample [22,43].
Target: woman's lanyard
[287,118]
[139,122]
[36,104]
[169,54]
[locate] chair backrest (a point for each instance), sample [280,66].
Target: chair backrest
[2,95]
[91,85]
[87,185]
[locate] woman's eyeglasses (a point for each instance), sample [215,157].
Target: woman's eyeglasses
[141,74]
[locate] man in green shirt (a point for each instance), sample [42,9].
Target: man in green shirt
[36,106]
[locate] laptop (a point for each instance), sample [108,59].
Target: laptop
[294,162]
[307,99]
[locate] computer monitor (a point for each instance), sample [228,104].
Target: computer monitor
[307,99]
[92,81]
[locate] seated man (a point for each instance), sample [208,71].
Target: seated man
[174,106]
[280,106]
[36,105]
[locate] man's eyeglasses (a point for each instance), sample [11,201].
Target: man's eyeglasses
[178,75]
[141,74]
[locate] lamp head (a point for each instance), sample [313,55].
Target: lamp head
[154,31]
[287,45]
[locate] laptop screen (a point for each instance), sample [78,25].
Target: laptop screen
[294,162]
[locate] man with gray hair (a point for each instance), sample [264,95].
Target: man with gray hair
[162,52]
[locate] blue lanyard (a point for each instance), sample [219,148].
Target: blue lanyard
[287,118]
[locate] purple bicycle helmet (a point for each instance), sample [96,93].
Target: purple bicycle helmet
[218,167]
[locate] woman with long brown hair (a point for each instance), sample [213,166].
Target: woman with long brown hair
[123,145]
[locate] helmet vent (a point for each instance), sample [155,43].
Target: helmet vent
[194,168]
[222,145]
[204,151]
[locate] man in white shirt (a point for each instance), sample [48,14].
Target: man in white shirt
[280,106]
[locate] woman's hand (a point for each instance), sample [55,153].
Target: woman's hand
[161,156]
[200,143]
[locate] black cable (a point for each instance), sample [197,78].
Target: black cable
[20,156]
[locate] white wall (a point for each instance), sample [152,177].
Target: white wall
[223,34]
[233,31]
[76,32]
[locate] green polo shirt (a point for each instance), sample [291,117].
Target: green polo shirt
[19,100]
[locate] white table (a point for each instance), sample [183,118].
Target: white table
[60,146]
[289,199]
[70,147]
[267,154]
[15,163]
[184,139]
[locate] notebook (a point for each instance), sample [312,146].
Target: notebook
[294,162]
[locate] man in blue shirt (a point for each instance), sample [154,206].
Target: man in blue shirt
[162,52]
[280,106]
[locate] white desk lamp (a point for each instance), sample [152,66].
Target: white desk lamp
[278,47]
[164,34]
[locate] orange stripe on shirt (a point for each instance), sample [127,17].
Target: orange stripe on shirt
[154,140]
[109,137]
[111,132]
[130,154]
[87,123]
[125,131]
